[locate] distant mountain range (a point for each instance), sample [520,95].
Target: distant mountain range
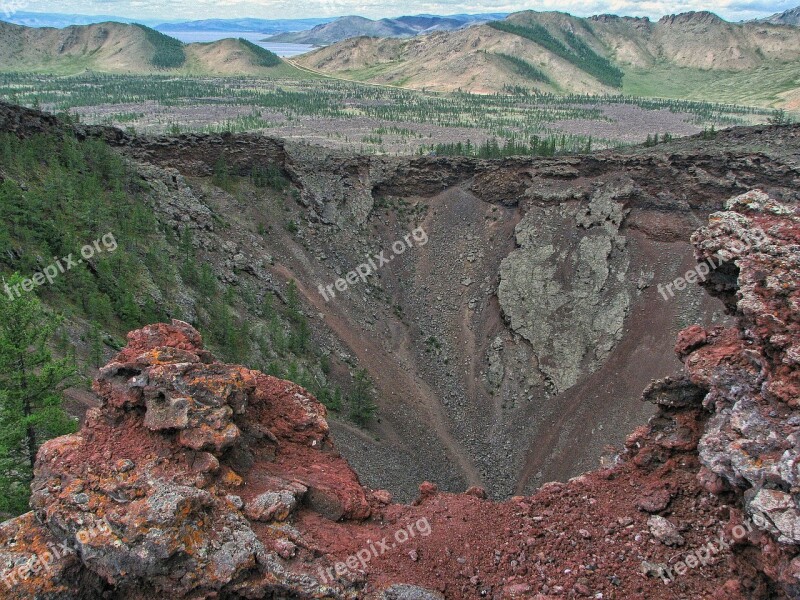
[402,27]
[695,55]
[788,17]
[265,26]
[323,30]
[690,55]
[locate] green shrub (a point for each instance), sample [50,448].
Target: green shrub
[221,176]
[779,117]
[268,177]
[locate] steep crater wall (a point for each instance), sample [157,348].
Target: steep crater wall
[512,348]
[198,479]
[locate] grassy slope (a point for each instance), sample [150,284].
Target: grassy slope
[287,71]
[69,66]
[760,87]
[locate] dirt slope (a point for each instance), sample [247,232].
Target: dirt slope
[225,57]
[449,61]
[104,46]
[698,40]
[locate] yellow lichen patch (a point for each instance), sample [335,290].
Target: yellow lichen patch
[224,385]
[156,357]
[230,478]
[194,536]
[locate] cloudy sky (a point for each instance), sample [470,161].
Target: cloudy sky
[276,9]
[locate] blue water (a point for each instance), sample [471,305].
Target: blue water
[188,37]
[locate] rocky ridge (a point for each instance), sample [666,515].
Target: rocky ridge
[468,59]
[196,479]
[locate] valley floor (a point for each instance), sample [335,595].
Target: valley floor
[370,119]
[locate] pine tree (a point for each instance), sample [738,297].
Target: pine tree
[336,400]
[268,306]
[188,267]
[95,346]
[222,174]
[31,381]
[779,117]
[361,404]
[129,311]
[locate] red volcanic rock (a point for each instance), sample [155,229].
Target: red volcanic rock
[476,491]
[690,339]
[183,459]
[752,442]
[712,482]
[197,479]
[382,496]
[426,490]
[654,501]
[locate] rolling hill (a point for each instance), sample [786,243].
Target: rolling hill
[265,26]
[401,27]
[787,17]
[691,55]
[126,48]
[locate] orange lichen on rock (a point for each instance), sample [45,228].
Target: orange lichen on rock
[197,479]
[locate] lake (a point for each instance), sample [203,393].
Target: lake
[189,37]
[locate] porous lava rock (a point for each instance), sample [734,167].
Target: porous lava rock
[197,479]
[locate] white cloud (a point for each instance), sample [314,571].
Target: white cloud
[201,9]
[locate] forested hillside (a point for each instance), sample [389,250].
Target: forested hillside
[59,194]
